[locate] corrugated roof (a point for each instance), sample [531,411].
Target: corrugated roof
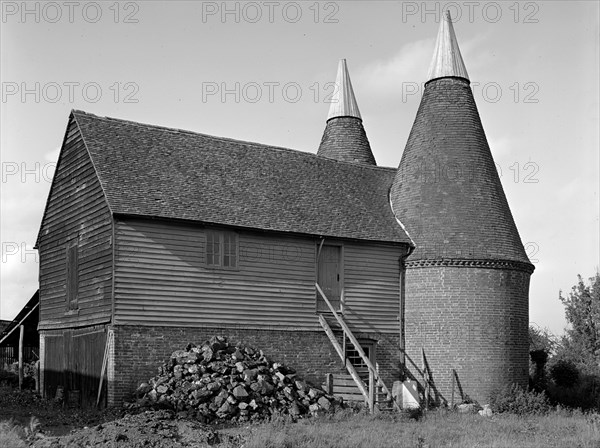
[167,173]
[447,60]
[343,101]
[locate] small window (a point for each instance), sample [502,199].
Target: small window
[72,275]
[222,249]
[354,357]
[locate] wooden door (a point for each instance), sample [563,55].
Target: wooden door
[329,277]
[90,349]
[54,370]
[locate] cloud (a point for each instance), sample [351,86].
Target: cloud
[383,79]
[395,78]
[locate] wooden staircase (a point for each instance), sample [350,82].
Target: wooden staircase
[376,394]
[343,386]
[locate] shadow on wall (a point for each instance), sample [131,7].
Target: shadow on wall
[73,360]
[427,386]
[74,389]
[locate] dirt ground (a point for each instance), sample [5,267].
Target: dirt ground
[56,426]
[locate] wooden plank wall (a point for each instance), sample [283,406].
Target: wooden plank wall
[53,365]
[76,209]
[73,360]
[371,292]
[88,350]
[162,279]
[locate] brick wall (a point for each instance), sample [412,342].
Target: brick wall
[140,350]
[472,320]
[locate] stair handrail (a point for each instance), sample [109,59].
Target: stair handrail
[357,346]
[351,370]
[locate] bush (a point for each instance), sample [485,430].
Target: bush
[9,378]
[515,400]
[564,373]
[584,394]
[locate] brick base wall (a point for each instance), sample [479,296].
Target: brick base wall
[473,320]
[139,351]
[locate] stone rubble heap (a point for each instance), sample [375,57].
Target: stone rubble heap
[221,381]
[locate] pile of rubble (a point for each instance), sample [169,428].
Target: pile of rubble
[220,381]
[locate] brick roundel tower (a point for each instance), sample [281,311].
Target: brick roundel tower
[467,281]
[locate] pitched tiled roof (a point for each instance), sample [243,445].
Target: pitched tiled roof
[166,173]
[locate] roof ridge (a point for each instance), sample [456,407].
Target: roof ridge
[224,139]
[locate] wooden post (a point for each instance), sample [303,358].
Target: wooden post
[371,391]
[329,383]
[401,319]
[428,390]
[21,337]
[109,337]
[425,379]
[452,396]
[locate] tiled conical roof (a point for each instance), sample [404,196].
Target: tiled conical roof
[447,192]
[344,137]
[447,60]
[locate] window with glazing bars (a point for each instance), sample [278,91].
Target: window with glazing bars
[221,249]
[354,358]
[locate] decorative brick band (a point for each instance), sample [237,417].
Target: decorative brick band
[473,263]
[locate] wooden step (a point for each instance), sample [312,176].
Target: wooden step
[344,382]
[340,384]
[346,390]
[357,398]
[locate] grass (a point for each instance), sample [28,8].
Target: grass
[12,435]
[436,429]
[344,429]
[15,435]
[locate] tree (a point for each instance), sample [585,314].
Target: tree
[542,344]
[582,309]
[542,339]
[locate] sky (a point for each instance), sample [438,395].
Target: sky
[259,71]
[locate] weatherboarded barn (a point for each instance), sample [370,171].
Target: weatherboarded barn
[164,236]
[155,237]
